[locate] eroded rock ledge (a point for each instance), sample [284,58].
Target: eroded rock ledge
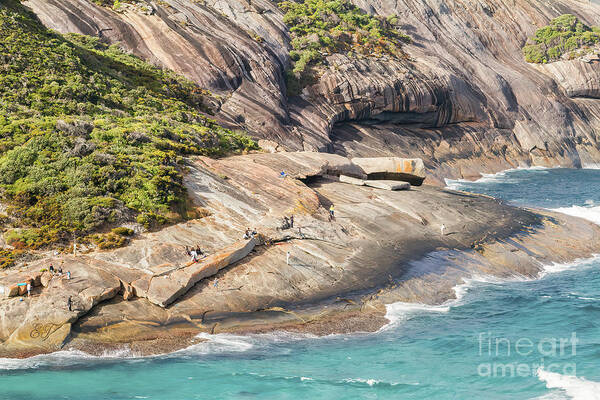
[339,277]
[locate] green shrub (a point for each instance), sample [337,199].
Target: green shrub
[338,26]
[106,241]
[564,35]
[7,258]
[90,135]
[123,231]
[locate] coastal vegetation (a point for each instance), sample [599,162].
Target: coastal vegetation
[91,136]
[565,36]
[321,27]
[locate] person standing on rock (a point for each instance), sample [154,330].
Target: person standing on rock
[68,275]
[292,221]
[287,260]
[442,229]
[28,289]
[70,303]
[331,213]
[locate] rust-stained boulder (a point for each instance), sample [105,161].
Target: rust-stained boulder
[411,170]
[46,278]
[12,291]
[127,291]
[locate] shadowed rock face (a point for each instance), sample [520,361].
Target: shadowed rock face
[465,101]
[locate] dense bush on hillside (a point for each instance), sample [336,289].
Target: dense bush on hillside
[564,35]
[338,26]
[90,135]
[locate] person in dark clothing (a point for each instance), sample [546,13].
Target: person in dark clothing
[70,303]
[199,251]
[292,221]
[51,269]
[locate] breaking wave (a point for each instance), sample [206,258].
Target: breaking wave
[572,386]
[585,212]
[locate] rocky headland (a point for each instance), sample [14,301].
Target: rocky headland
[149,297]
[462,99]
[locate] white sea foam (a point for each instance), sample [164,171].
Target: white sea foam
[57,359]
[400,311]
[369,382]
[589,213]
[220,343]
[560,267]
[574,387]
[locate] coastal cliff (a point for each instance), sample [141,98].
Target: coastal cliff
[463,98]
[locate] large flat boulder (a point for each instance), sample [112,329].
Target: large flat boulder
[165,289]
[388,185]
[351,180]
[411,170]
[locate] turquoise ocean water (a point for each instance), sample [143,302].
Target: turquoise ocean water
[515,339]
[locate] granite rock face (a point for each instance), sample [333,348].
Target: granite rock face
[166,288]
[150,291]
[464,100]
[579,78]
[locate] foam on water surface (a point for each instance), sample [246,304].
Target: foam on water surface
[574,387]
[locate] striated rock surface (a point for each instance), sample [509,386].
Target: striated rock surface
[578,78]
[465,101]
[150,298]
[166,288]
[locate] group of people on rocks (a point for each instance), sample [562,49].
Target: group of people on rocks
[58,271]
[195,253]
[250,233]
